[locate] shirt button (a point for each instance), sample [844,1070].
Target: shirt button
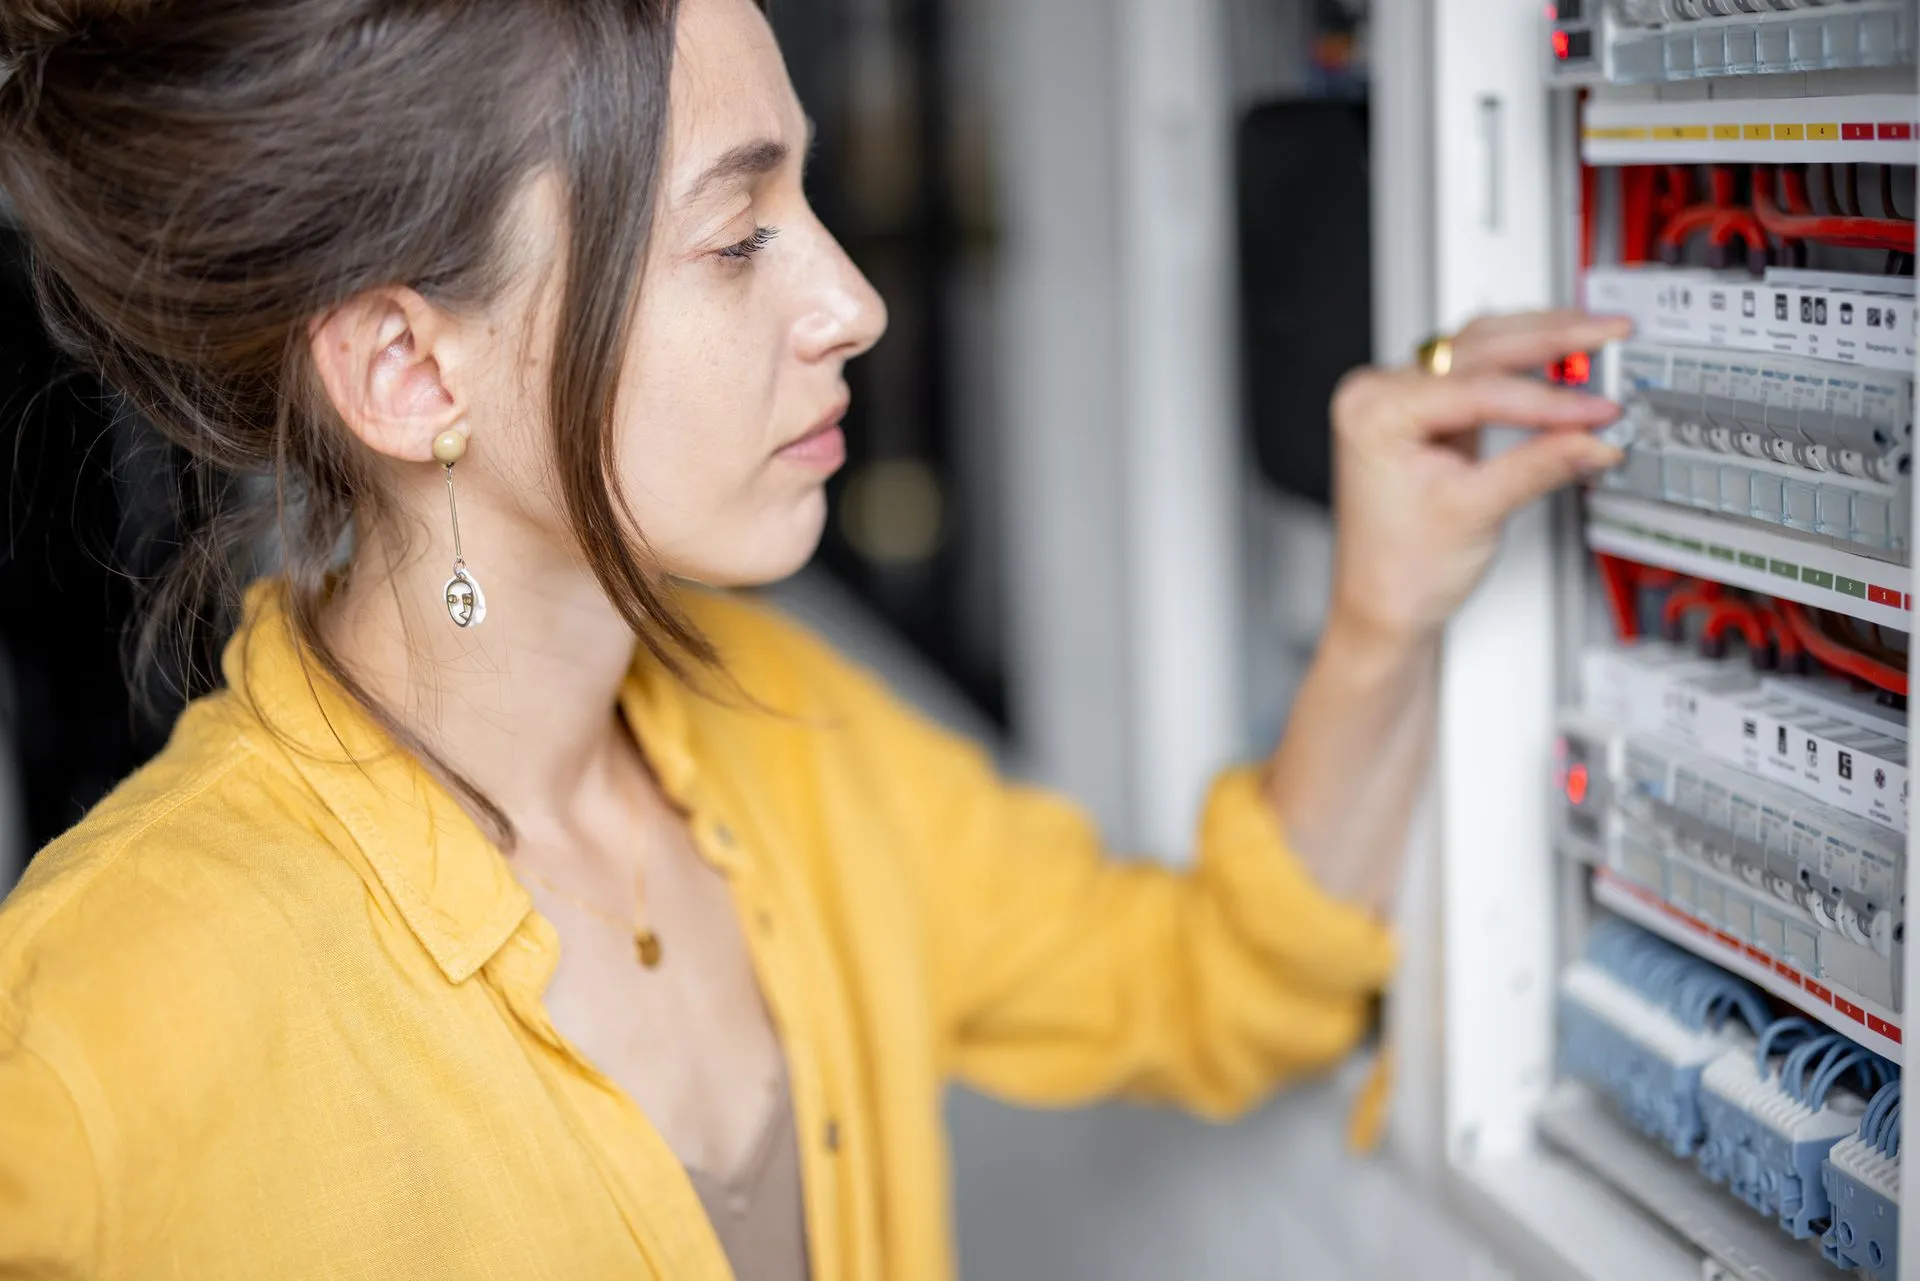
[765,920]
[723,834]
[832,1136]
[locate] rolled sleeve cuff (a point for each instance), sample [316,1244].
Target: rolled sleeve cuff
[1274,902]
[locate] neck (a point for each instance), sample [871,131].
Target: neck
[524,705]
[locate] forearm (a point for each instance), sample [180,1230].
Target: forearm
[1348,770]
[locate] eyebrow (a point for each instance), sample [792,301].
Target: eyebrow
[748,160]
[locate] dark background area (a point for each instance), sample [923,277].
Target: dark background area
[86,512]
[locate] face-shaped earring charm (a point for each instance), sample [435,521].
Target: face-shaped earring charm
[466,603]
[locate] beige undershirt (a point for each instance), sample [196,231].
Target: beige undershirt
[720,1099]
[756,1207]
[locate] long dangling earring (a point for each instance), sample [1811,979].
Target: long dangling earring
[466,603]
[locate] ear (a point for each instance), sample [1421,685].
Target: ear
[380,357]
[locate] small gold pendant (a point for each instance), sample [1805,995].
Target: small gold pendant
[646,946]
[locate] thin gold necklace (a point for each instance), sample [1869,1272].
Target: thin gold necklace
[646,940]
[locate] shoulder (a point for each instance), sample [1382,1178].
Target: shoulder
[160,918]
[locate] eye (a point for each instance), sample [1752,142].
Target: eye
[745,249]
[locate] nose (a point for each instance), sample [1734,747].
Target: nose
[845,315]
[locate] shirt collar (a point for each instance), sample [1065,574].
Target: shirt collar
[448,880]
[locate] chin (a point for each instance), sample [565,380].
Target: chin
[775,547]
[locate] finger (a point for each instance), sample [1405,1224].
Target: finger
[1536,345]
[1501,485]
[1410,405]
[1506,322]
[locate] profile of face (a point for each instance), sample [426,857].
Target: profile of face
[733,391]
[730,400]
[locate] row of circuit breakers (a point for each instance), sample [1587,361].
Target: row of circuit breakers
[1661,41]
[1773,811]
[1774,808]
[1788,402]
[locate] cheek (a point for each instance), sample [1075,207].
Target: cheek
[698,421]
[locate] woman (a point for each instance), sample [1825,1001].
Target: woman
[512,911]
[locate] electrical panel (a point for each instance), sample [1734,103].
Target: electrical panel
[1726,773]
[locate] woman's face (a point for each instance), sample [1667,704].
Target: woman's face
[728,418]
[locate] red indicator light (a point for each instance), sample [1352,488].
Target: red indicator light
[1553,13]
[1577,785]
[1560,44]
[1573,370]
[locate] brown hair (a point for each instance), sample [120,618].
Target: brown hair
[201,178]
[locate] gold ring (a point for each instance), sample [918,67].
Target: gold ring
[1435,355]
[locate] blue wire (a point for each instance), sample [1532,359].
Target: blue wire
[1774,1030]
[1883,1071]
[1883,1099]
[1796,1066]
[1830,1075]
[1741,997]
[1816,1069]
[1889,1141]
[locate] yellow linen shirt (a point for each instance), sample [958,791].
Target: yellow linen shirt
[274,1009]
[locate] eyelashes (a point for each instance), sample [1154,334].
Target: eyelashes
[746,249]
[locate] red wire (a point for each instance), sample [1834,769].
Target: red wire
[1636,213]
[1835,229]
[1696,595]
[1720,178]
[1719,219]
[1653,577]
[1678,192]
[1589,201]
[1782,635]
[1738,222]
[1735,614]
[1796,190]
[1850,662]
[1688,221]
[1617,577]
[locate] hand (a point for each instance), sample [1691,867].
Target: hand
[1418,511]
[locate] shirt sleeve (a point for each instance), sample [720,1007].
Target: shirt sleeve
[48,1189]
[1063,974]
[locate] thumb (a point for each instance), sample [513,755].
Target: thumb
[1502,484]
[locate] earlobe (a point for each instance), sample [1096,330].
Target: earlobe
[375,357]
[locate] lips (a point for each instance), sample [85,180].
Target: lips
[823,445]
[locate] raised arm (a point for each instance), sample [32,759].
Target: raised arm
[1418,515]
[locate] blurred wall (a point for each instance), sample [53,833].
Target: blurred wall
[1117,1192]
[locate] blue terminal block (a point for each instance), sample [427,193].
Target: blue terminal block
[1641,1020]
[1861,1178]
[1773,1114]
